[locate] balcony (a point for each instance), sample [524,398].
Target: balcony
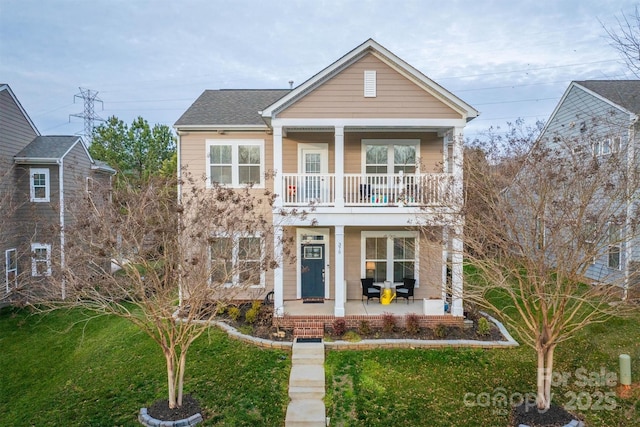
[372,190]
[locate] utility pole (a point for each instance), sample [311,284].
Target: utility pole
[90,97]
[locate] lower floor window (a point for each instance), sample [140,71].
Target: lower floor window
[614,246]
[389,256]
[237,261]
[11,269]
[40,259]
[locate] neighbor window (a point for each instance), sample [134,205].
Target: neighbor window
[39,184]
[607,146]
[390,156]
[237,261]
[40,259]
[614,246]
[389,256]
[235,162]
[11,268]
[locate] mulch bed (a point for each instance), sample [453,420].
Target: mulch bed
[262,327]
[160,409]
[528,414]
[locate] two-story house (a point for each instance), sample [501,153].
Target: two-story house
[373,149]
[39,177]
[602,115]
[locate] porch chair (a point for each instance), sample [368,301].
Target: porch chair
[369,290]
[406,289]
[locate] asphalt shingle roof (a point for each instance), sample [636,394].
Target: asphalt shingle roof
[230,107]
[48,147]
[625,93]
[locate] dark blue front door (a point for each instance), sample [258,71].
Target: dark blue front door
[312,273]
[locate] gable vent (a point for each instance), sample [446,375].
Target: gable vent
[370,84]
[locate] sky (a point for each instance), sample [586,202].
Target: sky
[153,58]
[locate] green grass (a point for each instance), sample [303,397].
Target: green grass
[428,387]
[59,369]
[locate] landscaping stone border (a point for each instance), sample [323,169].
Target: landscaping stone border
[382,343]
[148,421]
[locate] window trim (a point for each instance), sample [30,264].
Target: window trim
[607,146]
[235,259]
[8,270]
[390,235]
[235,164]
[390,143]
[47,185]
[34,261]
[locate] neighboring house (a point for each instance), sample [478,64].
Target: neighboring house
[376,147]
[603,115]
[39,177]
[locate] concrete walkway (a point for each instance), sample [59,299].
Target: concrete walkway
[306,386]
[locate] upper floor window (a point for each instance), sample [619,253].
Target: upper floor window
[390,156]
[235,162]
[40,259]
[606,146]
[39,184]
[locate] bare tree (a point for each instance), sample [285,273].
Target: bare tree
[175,264]
[530,242]
[626,39]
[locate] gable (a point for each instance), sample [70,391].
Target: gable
[16,129]
[396,96]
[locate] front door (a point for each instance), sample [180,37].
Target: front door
[312,273]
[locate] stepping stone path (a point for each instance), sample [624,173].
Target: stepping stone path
[306,386]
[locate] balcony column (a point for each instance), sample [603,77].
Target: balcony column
[338,267]
[339,166]
[457,308]
[278,273]
[445,261]
[458,159]
[277,166]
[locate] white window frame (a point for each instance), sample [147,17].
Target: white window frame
[235,165]
[9,268]
[390,143]
[32,186]
[607,146]
[35,261]
[235,259]
[614,247]
[390,236]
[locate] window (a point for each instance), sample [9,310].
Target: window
[370,84]
[614,246]
[39,185]
[389,256]
[237,261]
[235,162]
[607,146]
[40,259]
[390,156]
[11,268]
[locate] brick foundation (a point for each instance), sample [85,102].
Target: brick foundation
[375,321]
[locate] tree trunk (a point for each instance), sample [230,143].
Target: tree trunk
[181,368]
[545,375]
[171,375]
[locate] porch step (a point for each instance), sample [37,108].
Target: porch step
[306,413]
[308,329]
[307,376]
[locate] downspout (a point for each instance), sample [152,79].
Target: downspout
[61,191]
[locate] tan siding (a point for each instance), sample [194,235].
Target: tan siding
[343,96]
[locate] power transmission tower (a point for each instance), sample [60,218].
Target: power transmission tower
[90,97]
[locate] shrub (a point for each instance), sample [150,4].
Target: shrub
[233,312]
[484,328]
[339,327]
[440,331]
[412,323]
[388,322]
[351,336]
[256,304]
[365,327]
[252,314]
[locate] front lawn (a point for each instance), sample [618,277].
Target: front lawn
[473,387]
[58,369]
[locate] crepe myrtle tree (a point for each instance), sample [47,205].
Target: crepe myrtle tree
[539,214]
[625,38]
[168,267]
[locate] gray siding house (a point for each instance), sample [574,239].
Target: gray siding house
[39,177]
[603,114]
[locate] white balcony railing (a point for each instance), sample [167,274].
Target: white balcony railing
[430,189]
